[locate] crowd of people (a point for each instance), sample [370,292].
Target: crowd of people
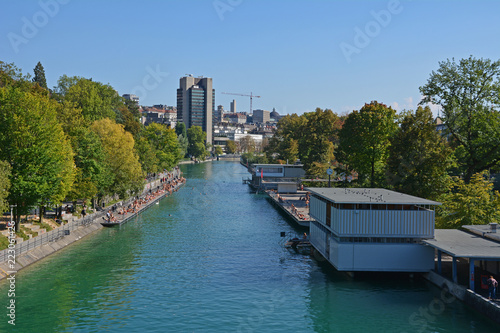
[169,184]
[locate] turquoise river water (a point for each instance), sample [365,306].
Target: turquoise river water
[209,259]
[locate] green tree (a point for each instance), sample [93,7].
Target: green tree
[197,138]
[165,144]
[364,142]
[4,185]
[180,130]
[121,156]
[40,75]
[218,150]
[34,144]
[10,74]
[147,155]
[231,147]
[418,156]
[310,137]
[94,175]
[96,100]
[469,93]
[469,203]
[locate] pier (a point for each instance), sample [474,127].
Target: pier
[292,204]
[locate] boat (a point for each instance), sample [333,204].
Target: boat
[107,223]
[298,245]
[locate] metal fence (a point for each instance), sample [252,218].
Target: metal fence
[65,230]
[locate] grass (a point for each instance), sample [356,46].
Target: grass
[4,242]
[43,225]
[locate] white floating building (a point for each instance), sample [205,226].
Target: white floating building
[371,229]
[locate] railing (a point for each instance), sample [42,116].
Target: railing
[51,236]
[65,230]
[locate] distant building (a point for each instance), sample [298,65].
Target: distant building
[219,114]
[261,116]
[275,115]
[372,229]
[236,118]
[131,97]
[167,115]
[196,103]
[233,106]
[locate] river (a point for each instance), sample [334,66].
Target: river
[209,259]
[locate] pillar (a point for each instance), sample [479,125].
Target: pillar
[471,274]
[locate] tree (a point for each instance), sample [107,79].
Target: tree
[364,141]
[147,155]
[180,130]
[247,144]
[310,137]
[197,138]
[4,185]
[469,93]
[231,147]
[94,175]
[40,75]
[418,156]
[34,144]
[469,203]
[218,150]
[164,143]
[10,74]
[123,161]
[96,100]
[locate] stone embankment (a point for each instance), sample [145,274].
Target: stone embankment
[28,252]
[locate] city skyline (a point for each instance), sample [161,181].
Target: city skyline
[296,55]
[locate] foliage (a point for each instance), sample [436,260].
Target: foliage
[418,156]
[40,75]
[96,100]
[218,150]
[94,175]
[231,147]
[364,142]
[469,203]
[147,155]
[196,138]
[5,173]
[34,144]
[164,143]
[247,144]
[250,158]
[10,74]
[469,93]
[310,137]
[180,129]
[123,161]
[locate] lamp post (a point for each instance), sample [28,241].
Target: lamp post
[329,171]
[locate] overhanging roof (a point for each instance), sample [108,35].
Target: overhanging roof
[367,196]
[464,245]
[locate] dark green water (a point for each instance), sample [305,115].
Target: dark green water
[209,259]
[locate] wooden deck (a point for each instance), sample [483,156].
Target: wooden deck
[301,214]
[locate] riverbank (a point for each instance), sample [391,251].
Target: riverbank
[48,243]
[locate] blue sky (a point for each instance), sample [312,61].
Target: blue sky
[297,55]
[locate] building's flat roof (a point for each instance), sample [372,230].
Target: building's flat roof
[281,165]
[464,245]
[368,195]
[483,230]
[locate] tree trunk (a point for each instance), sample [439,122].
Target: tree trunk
[42,210]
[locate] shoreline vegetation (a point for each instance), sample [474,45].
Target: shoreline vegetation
[153,192]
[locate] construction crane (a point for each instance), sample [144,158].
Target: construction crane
[251,97]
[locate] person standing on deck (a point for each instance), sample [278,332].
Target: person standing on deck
[492,287]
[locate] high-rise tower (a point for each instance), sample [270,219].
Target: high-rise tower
[196,103]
